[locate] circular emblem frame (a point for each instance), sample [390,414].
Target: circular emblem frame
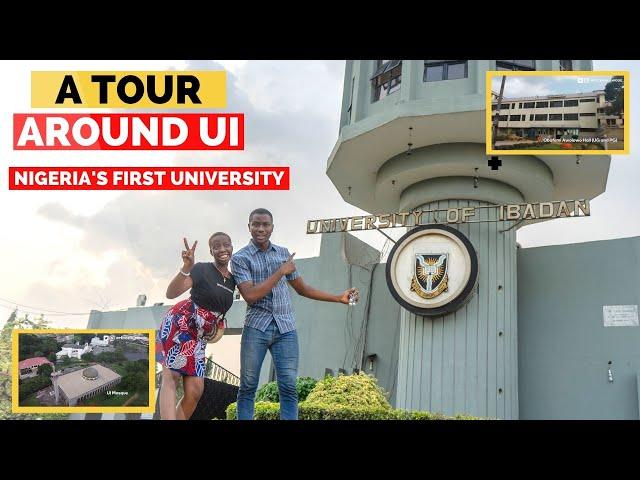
[461,294]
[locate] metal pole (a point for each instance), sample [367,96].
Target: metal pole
[497,114]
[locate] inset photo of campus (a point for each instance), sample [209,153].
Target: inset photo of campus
[557,112]
[82,369]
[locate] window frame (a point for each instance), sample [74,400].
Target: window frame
[445,64]
[380,84]
[513,65]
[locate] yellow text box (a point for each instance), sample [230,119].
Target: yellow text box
[129,89]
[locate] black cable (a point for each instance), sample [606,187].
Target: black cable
[40,309]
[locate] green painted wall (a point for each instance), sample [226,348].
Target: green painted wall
[466,361]
[563,345]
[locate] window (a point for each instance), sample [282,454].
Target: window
[503,118]
[516,64]
[542,104]
[555,116]
[555,104]
[566,65]
[436,70]
[529,104]
[587,114]
[504,106]
[386,79]
[571,116]
[571,103]
[541,118]
[520,105]
[587,100]
[531,117]
[514,118]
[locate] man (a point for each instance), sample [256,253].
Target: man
[261,270]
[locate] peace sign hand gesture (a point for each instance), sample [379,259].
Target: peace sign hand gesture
[188,256]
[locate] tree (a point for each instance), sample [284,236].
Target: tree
[614,93]
[45,370]
[14,321]
[89,357]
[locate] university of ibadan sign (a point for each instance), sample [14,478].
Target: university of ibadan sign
[517,212]
[433,268]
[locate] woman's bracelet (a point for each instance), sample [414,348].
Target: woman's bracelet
[185,274]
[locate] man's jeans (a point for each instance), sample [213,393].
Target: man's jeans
[284,351]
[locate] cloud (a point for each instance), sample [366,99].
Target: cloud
[287,123]
[521,86]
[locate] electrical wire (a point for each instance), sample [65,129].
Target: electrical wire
[44,310]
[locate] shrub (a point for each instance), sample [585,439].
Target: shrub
[271,411]
[269,391]
[345,397]
[358,390]
[305,386]
[263,411]
[32,385]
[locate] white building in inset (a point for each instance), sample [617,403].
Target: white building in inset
[557,116]
[73,350]
[96,342]
[554,115]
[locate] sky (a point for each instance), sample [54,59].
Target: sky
[65,253]
[532,86]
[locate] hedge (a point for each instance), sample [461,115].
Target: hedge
[345,397]
[269,391]
[271,411]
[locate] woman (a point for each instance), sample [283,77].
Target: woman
[190,324]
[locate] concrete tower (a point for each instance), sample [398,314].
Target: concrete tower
[465,361]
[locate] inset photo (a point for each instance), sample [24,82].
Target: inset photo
[83,371]
[557,112]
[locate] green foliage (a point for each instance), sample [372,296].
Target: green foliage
[110,357]
[32,385]
[136,377]
[271,411]
[89,357]
[269,391]
[346,397]
[15,321]
[614,93]
[45,370]
[304,386]
[358,390]
[32,345]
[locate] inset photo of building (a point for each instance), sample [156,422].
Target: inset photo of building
[83,371]
[557,112]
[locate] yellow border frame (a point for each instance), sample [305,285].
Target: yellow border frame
[16,408]
[548,73]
